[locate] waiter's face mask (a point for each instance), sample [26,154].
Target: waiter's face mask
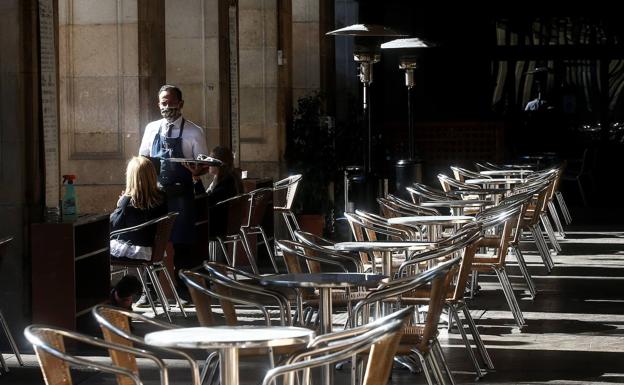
[170,113]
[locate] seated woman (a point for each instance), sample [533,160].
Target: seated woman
[141,202]
[226,183]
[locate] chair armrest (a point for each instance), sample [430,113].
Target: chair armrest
[116,233]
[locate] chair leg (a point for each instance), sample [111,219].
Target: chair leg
[550,233]
[9,336]
[207,372]
[425,366]
[510,296]
[543,250]
[3,363]
[564,208]
[460,326]
[268,247]
[476,337]
[148,295]
[437,372]
[173,289]
[437,349]
[159,292]
[250,255]
[524,270]
[555,216]
[230,260]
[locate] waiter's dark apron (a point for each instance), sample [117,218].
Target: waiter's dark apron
[177,182]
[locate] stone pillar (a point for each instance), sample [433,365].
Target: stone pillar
[192,60]
[306,52]
[99,96]
[258,85]
[21,196]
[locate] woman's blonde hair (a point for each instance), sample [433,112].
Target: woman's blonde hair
[141,184]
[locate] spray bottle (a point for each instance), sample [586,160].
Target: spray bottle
[70,208]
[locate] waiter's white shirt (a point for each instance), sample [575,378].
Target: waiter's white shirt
[193,138]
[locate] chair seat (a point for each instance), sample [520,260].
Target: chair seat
[127,262]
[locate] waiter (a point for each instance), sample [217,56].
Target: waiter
[173,136]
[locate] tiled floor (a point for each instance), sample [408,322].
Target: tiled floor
[575,332]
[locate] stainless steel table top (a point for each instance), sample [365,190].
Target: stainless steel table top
[324,280]
[229,336]
[432,220]
[384,245]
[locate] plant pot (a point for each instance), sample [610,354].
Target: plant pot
[312,223]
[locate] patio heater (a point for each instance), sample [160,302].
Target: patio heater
[408,170]
[366,53]
[367,39]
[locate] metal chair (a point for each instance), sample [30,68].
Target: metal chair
[115,325]
[507,218]
[305,258]
[464,243]
[4,244]
[49,345]
[284,192]
[204,288]
[419,339]
[420,192]
[259,201]
[156,264]
[376,341]
[229,293]
[245,214]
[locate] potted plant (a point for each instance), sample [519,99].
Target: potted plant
[310,152]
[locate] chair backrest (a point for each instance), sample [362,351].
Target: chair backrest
[461,174]
[393,206]
[115,325]
[296,254]
[284,192]
[381,341]
[368,229]
[463,243]
[420,192]
[162,233]
[49,345]
[230,281]
[312,239]
[237,209]
[439,277]
[228,292]
[162,236]
[449,184]
[259,201]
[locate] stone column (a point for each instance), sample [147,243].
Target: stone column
[21,196]
[99,98]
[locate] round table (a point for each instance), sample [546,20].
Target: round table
[457,206]
[506,173]
[433,221]
[495,182]
[386,248]
[325,282]
[229,339]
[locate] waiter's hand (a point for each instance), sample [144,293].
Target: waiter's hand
[196,169]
